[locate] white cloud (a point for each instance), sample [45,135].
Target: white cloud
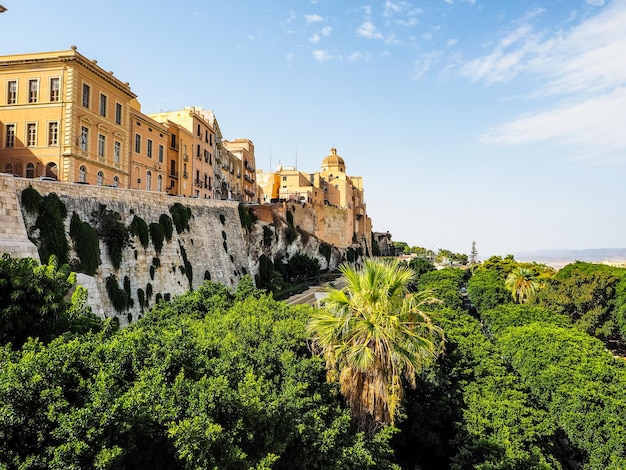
[315,38]
[451,42]
[595,3]
[356,56]
[326,30]
[313,19]
[427,36]
[321,56]
[368,30]
[596,122]
[580,70]
[424,63]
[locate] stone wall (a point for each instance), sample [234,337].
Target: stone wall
[214,249]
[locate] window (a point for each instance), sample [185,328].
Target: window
[84,137]
[103,105]
[101,145]
[30,170]
[199,133]
[31,134]
[55,89]
[160,183]
[8,168]
[116,181]
[206,136]
[149,180]
[284,178]
[118,114]
[198,152]
[33,90]
[160,154]
[137,143]
[12,92]
[82,174]
[174,141]
[117,150]
[53,133]
[100,179]
[86,92]
[149,148]
[10,136]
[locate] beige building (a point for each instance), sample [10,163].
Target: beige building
[330,188]
[147,160]
[202,148]
[243,149]
[63,116]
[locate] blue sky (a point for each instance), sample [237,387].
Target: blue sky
[502,122]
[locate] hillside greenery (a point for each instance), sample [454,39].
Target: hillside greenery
[218,378]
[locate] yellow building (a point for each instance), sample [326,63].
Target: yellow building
[331,188]
[179,163]
[65,117]
[147,159]
[243,149]
[202,147]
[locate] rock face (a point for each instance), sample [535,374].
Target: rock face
[215,246]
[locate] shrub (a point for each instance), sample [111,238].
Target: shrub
[51,225]
[246,216]
[168,226]
[31,200]
[114,233]
[86,245]
[157,232]
[180,216]
[139,229]
[120,298]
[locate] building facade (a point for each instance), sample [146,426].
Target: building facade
[328,190]
[64,117]
[243,149]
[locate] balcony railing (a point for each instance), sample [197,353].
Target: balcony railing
[173,174]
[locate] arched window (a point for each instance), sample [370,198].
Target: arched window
[149,180]
[30,170]
[116,181]
[160,183]
[100,180]
[82,174]
[52,170]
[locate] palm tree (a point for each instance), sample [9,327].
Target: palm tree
[372,332]
[522,284]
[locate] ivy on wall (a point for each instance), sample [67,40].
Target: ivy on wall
[86,245]
[113,231]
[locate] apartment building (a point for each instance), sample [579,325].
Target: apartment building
[243,149]
[202,147]
[65,117]
[149,141]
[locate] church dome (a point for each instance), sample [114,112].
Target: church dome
[333,162]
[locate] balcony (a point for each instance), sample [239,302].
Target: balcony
[173,174]
[186,158]
[198,183]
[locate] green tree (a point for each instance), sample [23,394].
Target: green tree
[522,284]
[373,332]
[32,301]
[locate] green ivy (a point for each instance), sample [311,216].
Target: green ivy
[180,216]
[31,200]
[157,232]
[86,245]
[139,228]
[120,298]
[168,226]
[113,231]
[246,216]
[51,225]
[187,269]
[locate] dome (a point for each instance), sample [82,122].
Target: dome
[333,161]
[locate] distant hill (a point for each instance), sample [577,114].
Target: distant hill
[559,258]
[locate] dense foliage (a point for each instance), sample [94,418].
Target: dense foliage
[33,302]
[205,382]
